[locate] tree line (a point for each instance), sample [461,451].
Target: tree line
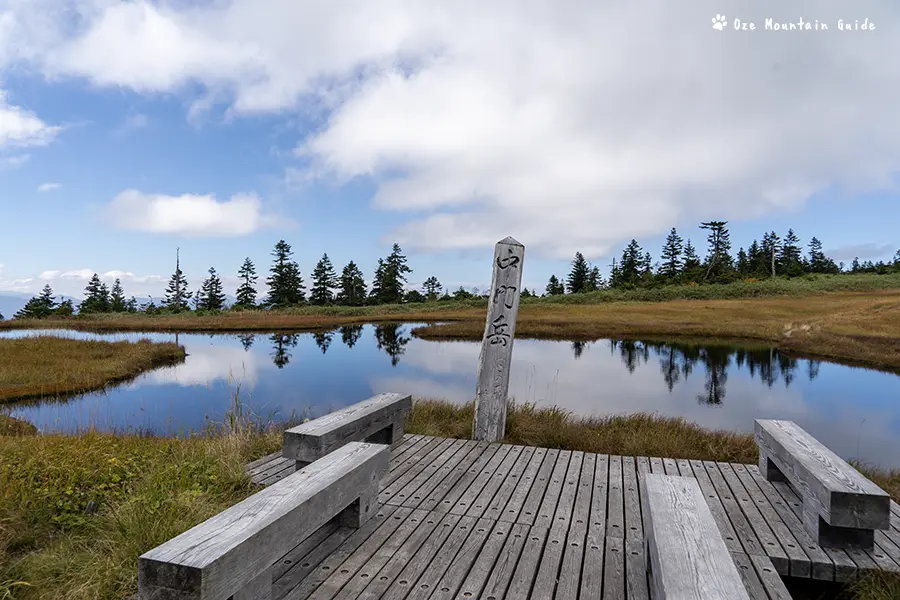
[679,263]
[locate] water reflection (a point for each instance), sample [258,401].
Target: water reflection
[853,411]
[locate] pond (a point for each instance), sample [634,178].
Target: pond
[855,412]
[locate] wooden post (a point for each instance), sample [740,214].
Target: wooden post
[496,348]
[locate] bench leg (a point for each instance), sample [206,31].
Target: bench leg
[360,510]
[769,469]
[258,589]
[836,537]
[390,434]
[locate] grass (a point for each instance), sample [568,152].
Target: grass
[148,489]
[48,366]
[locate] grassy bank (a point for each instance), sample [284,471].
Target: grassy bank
[44,366]
[149,489]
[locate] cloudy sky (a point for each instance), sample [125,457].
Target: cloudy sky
[220,126]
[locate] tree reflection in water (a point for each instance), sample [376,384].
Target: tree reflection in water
[282,342]
[350,334]
[323,339]
[390,338]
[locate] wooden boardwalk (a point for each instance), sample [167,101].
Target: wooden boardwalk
[464,520]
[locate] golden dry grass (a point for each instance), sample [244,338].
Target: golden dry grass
[47,366]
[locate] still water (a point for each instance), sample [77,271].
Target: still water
[855,412]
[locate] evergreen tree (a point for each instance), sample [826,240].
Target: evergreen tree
[376,294]
[414,296]
[324,280]
[246,292]
[38,307]
[632,264]
[818,262]
[555,287]
[771,245]
[131,305]
[615,274]
[789,258]
[394,277]
[65,309]
[855,266]
[594,280]
[96,297]
[578,276]
[117,301]
[646,268]
[211,295]
[743,263]
[177,293]
[691,267]
[671,255]
[353,286]
[718,259]
[285,283]
[432,288]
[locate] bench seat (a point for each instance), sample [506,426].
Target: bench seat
[841,508]
[379,419]
[232,553]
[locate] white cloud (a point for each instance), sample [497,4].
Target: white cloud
[189,214]
[20,128]
[133,122]
[868,251]
[49,187]
[14,162]
[570,125]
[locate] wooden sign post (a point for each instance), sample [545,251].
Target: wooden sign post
[496,348]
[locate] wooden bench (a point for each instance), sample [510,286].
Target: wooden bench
[231,555]
[686,555]
[379,419]
[841,508]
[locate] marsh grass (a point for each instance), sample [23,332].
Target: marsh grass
[49,366]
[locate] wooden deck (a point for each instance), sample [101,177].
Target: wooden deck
[465,520]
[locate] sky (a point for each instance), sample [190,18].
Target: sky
[131,128]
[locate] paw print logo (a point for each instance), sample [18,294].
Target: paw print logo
[719,22]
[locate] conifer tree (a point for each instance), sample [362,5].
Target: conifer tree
[65,309]
[771,245]
[376,294]
[285,283]
[790,256]
[594,280]
[718,259]
[96,297]
[432,288]
[743,263]
[353,286]
[632,263]
[117,301]
[691,266]
[38,307]
[555,287]
[393,277]
[211,295]
[855,267]
[579,275]
[324,280]
[671,255]
[177,293]
[246,292]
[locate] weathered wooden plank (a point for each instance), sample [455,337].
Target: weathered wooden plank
[821,565]
[684,467]
[656,465]
[547,508]
[752,583]
[569,490]
[884,545]
[513,507]
[369,557]
[494,480]
[412,569]
[406,486]
[447,470]
[532,503]
[670,466]
[404,444]
[502,572]
[278,476]
[497,505]
[526,569]
[261,461]
[688,557]
[715,506]
[615,512]
[296,556]
[411,459]
[475,581]
[573,555]
[262,471]
[845,569]
[220,556]
[600,497]
[749,541]
[614,582]
[462,501]
[495,359]
[592,577]
[445,574]
[633,524]
[467,468]
[798,561]
[637,587]
[548,568]
[399,455]
[770,579]
[771,545]
[379,419]
[837,492]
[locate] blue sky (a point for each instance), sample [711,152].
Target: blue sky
[222,127]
